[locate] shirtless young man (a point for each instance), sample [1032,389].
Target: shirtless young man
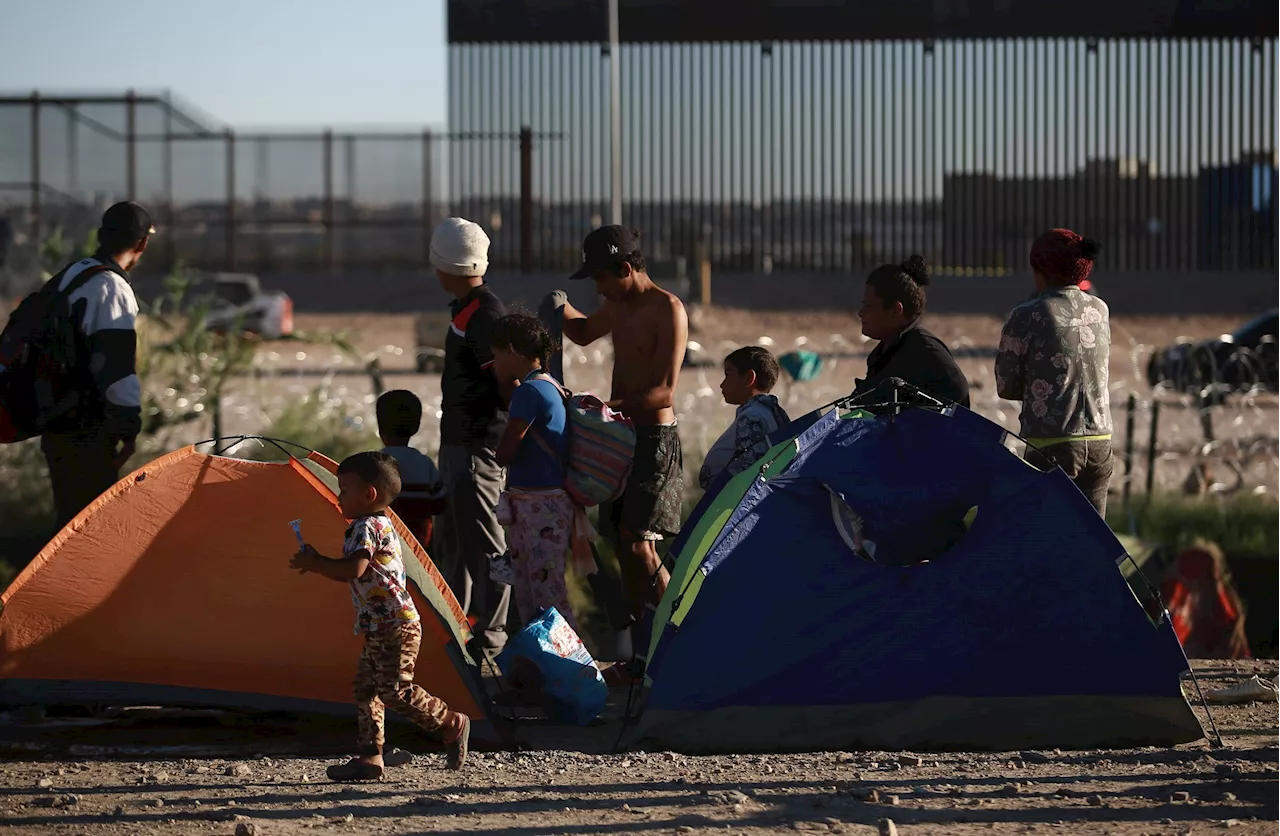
[650,330]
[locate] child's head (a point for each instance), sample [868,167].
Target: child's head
[748,372]
[367,484]
[520,345]
[399,417]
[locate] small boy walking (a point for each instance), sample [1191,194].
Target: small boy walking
[371,563]
[749,376]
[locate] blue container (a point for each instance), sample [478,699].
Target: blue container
[570,677]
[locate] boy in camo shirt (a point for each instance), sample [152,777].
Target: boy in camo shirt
[385,613]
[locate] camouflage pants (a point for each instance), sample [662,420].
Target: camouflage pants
[384,678]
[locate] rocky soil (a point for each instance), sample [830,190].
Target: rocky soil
[209,773]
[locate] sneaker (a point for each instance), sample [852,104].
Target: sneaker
[1256,689]
[397,757]
[456,754]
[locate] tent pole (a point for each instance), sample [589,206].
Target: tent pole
[1205,704]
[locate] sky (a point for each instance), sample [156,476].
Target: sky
[815,120]
[263,64]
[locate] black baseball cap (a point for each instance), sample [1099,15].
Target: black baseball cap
[128,220]
[605,247]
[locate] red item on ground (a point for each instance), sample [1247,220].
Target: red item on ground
[1203,604]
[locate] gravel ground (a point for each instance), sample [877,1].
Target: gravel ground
[266,776]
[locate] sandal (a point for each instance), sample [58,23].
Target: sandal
[457,748]
[354,770]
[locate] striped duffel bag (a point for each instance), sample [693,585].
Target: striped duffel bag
[602,448]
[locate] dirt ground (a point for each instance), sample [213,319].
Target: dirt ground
[220,775]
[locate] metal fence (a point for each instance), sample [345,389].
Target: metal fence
[840,155]
[759,156]
[226,200]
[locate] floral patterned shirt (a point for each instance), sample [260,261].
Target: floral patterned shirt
[381,594]
[1053,357]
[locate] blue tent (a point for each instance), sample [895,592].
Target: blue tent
[832,597]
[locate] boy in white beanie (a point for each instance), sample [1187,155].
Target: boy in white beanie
[460,249]
[472,422]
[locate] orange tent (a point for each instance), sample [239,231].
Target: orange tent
[174,587]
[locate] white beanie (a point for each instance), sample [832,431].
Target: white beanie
[460,248]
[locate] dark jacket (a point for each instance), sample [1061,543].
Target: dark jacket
[470,405]
[920,359]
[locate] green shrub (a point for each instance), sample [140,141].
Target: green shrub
[56,252]
[1242,524]
[24,483]
[185,367]
[26,506]
[315,423]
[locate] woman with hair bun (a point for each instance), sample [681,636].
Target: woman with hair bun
[1053,357]
[892,304]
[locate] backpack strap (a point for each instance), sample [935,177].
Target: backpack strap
[62,298]
[564,392]
[81,279]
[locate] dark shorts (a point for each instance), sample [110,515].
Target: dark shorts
[651,505]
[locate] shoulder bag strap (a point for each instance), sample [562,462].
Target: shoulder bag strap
[537,436]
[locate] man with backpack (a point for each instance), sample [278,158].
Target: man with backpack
[94,310]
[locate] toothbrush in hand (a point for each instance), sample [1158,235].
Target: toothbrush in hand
[296,525]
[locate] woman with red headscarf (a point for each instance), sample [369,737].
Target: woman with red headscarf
[1053,357]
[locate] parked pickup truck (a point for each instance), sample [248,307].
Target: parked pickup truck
[238,299]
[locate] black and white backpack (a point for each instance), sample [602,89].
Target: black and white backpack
[42,367]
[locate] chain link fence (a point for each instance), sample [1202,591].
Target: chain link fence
[321,201]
